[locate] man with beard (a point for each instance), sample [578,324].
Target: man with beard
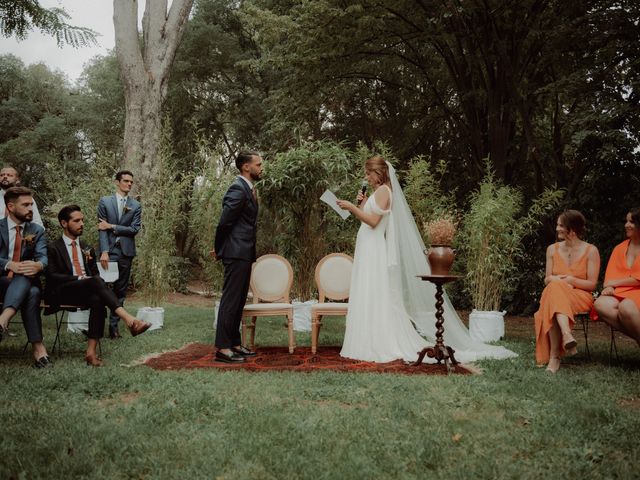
[235,244]
[73,278]
[119,218]
[9,178]
[23,255]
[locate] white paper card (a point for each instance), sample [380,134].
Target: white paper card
[330,199]
[111,274]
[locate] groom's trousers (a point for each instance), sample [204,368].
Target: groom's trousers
[237,274]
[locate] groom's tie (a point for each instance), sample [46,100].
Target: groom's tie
[255,195]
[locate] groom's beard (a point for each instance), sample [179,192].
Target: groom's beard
[255,176]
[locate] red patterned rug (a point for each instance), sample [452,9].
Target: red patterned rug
[199,355]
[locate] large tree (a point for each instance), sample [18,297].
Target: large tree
[145,65]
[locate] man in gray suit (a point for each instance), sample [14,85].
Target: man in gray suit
[235,244]
[23,256]
[119,218]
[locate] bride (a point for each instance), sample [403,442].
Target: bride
[386,298]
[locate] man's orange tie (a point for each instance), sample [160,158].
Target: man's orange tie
[76,260]
[255,194]
[17,249]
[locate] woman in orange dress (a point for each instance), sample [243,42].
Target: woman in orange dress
[571,275]
[619,302]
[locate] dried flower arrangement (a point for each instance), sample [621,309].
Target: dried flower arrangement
[441,230]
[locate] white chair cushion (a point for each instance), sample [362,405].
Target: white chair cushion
[266,306]
[335,277]
[329,306]
[270,278]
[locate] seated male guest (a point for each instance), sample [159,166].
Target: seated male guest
[73,278]
[23,255]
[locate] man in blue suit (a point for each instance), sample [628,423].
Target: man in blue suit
[235,244]
[23,256]
[119,218]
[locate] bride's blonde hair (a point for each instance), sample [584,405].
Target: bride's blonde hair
[377,165]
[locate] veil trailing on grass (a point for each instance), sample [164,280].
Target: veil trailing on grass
[405,253]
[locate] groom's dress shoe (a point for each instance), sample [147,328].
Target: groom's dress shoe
[232,358]
[243,351]
[138,327]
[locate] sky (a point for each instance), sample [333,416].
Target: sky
[94,14]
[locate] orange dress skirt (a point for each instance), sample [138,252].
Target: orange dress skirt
[560,297]
[618,268]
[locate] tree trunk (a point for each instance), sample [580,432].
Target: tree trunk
[145,66]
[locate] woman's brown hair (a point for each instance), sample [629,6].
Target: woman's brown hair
[574,221]
[377,165]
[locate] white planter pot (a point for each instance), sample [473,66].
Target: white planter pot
[78,321]
[486,326]
[153,315]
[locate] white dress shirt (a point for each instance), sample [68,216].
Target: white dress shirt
[36,214]
[67,242]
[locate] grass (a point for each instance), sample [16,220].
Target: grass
[514,421]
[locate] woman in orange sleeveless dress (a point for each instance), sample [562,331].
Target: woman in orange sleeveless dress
[619,302]
[571,275]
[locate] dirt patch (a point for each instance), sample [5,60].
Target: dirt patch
[631,403]
[123,399]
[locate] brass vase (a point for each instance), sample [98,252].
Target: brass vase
[440,259]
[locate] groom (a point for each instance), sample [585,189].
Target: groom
[235,244]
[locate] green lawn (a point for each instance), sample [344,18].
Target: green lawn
[514,421]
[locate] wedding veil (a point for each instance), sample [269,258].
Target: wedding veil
[406,258]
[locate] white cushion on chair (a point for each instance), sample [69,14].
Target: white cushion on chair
[334,277]
[266,306]
[330,306]
[270,277]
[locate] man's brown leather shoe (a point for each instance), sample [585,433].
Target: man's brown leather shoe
[138,327]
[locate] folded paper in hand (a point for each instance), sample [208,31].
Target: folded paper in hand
[330,199]
[111,274]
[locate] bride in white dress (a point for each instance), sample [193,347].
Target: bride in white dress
[386,299]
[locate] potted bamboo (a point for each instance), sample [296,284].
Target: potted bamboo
[492,234]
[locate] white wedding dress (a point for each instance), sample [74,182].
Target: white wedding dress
[387,299]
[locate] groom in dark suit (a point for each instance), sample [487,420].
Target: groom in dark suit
[23,256]
[119,218]
[235,245]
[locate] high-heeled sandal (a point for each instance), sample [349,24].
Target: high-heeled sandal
[549,369]
[570,343]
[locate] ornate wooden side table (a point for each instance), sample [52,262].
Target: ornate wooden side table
[439,351]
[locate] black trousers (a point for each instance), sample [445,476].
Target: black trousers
[120,286]
[237,274]
[93,293]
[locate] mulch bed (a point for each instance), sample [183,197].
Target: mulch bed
[199,355]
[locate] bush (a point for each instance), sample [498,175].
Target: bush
[156,271]
[294,222]
[492,236]
[80,188]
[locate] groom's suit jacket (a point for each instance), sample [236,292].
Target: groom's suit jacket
[236,231]
[125,228]
[34,244]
